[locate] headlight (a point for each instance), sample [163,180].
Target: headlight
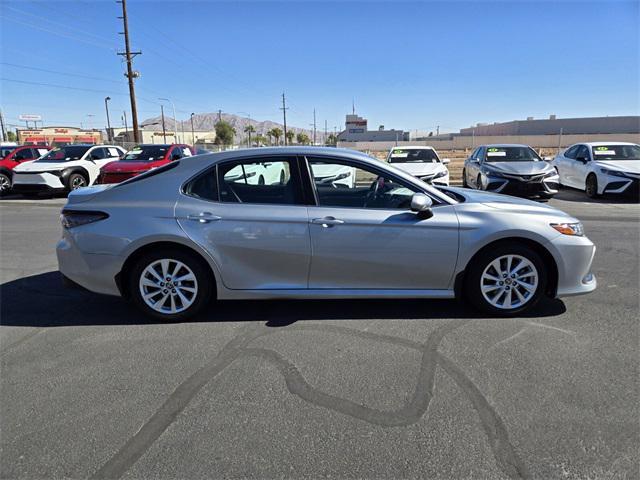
[573,229]
[493,173]
[552,173]
[613,173]
[70,218]
[440,174]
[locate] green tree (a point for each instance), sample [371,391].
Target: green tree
[332,139]
[260,140]
[290,135]
[303,138]
[224,133]
[249,129]
[11,137]
[276,133]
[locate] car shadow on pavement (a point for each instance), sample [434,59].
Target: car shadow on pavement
[568,194]
[42,301]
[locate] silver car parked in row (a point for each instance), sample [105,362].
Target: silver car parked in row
[511,169]
[178,236]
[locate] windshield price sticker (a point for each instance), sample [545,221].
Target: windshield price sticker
[400,155]
[604,151]
[495,153]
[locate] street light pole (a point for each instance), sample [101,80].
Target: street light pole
[106,107]
[175,123]
[193,135]
[164,132]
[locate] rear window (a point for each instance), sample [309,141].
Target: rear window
[4,151]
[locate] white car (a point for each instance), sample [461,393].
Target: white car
[64,168]
[266,173]
[600,167]
[422,162]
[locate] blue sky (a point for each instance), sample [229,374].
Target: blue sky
[410,65]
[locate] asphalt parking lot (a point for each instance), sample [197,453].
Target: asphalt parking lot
[344,389]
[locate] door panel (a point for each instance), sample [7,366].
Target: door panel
[375,248]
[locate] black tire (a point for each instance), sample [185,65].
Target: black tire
[473,279]
[591,186]
[464,179]
[204,284]
[479,182]
[5,183]
[77,180]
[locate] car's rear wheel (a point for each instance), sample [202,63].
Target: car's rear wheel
[464,179]
[5,183]
[506,280]
[76,181]
[591,186]
[170,285]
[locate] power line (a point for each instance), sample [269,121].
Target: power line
[62,73]
[42,84]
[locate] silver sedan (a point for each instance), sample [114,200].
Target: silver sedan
[199,229]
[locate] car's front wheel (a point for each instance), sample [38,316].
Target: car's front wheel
[5,183]
[76,181]
[506,280]
[591,186]
[464,179]
[170,285]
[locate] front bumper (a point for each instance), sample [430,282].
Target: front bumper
[529,186]
[573,256]
[36,182]
[622,185]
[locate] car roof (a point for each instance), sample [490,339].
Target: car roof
[595,144]
[156,144]
[501,145]
[414,147]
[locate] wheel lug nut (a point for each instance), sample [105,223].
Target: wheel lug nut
[507,288]
[501,283]
[513,275]
[162,284]
[165,291]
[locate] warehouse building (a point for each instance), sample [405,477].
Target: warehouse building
[356,130]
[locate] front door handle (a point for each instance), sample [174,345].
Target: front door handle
[327,222]
[204,217]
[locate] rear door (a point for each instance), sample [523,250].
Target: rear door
[258,234]
[364,236]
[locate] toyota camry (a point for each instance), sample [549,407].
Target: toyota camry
[175,238]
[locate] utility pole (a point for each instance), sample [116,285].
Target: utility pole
[219,116]
[193,135]
[4,132]
[438,130]
[128,54]
[126,128]
[284,116]
[175,122]
[314,126]
[106,107]
[325,132]
[164,132]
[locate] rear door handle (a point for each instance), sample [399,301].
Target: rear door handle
[204,217]
[327,222]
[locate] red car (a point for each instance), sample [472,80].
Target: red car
[142,158]
[10,156]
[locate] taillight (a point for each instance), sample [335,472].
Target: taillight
[71,218]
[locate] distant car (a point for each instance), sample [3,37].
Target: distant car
[142,158]
[175,237]
[510,169]
[600,167]
[64,168]
[11,157]
[422,162]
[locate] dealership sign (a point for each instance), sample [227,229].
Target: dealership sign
[27,117]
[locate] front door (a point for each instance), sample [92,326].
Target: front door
[364,236]
[257,233]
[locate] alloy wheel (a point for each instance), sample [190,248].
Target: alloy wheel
[78,181]
[509,282]
[5,183]
[168,286]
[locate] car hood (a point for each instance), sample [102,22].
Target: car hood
[128,166]
[418,169]
[34,166]
[631,166]
[520,168]
[508,203]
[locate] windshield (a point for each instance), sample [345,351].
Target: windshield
[65,154]
[4,151]
[423,155]
[512,154]
[146,153]
[616,152]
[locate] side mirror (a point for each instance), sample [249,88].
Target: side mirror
[547,159]
[446,160]
[582,159]
[421,204]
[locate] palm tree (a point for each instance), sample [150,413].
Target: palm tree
[290,135]
[260,140]
[302,138]
[249,129]
[276,133]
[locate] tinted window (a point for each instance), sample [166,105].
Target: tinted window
[423,155]
[23,154]
[4,151]
[147,153]
[112,152]
[98,154]
[616,152]
[204,186]
[571,152]
[480,154]
[340,184]
[512,154]
[267,181]
[65,154]
[175,152]
[582,152]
